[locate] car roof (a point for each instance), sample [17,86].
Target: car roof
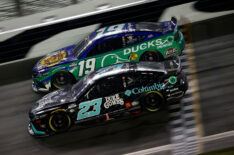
[113,29]
[127,67]
[131,27]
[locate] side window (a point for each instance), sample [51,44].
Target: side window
[106,46]
[93,92]
[130,39]
[146,78]
[131,81]
[111,85]
[105,87]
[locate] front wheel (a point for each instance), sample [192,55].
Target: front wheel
[151,56]
[153,101]
[59,121]
[62,79]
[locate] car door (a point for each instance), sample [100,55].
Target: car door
[111,89]
[102,97]
[98,55]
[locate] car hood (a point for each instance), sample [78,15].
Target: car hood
[52,99]
[56,58]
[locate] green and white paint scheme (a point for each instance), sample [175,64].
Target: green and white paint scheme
[64,61]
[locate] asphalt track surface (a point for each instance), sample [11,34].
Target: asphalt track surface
[116,137]
[215,72]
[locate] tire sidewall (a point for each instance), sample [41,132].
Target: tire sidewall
[52,116]
[153,52]
[152,107]
[57,86]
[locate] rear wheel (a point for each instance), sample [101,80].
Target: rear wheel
[153,101]
[59,121]
[62,79]
[151,56]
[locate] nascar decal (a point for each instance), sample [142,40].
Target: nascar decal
[53,60]
[155,86]
[158,43]
[85,110]
[113,100]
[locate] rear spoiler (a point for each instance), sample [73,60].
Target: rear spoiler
[174,20]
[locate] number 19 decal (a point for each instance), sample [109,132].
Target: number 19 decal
[89,66]
[85,106]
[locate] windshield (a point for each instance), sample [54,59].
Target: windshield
[82,85]
[147,26]
[81,45]
[79,87]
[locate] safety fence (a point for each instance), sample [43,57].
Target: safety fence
[10,9]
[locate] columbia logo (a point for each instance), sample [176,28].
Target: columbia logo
[128,92]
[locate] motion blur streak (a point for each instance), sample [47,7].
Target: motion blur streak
[216,86]
[195,93]
[119,137]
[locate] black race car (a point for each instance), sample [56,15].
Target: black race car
[107,93]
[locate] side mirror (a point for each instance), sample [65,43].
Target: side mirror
[174,20]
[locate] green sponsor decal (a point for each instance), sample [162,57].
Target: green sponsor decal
[172,79]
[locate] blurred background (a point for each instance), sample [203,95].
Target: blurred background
[202,122]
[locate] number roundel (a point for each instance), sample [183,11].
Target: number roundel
[86,66]
[86,111]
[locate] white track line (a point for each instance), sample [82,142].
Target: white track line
[152,150]
[170,146]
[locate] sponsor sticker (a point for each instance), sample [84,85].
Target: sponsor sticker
[171,51]
[53,60]
[113,100]
[159,43]
[155,86]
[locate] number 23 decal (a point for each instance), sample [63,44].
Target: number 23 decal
[85,106]
[88,64]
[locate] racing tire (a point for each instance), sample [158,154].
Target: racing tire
[151,56]
[153,101]
[62,79]
[59,121]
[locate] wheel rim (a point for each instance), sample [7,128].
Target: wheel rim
[153,102]
[61,80]
[151,56]
[59,122]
